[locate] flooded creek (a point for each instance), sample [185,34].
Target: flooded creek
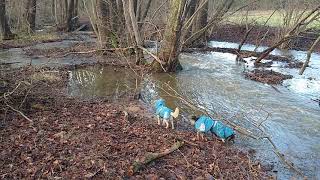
[215,81]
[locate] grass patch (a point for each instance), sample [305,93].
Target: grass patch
[37,37]
[261,17]
[23,40]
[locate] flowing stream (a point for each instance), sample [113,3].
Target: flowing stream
[215,81]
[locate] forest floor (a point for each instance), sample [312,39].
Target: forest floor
[44,133]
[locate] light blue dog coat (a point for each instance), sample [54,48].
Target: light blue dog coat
[161,109]
[206,124]
[203,124]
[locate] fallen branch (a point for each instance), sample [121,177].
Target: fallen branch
[93,51]
[306,63]
[151,54]
[188,142]
[154,56]
[21,113]
[149,157]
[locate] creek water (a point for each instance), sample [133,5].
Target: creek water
[215,81]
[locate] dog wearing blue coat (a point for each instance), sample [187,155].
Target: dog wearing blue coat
[205,124]
[165,114]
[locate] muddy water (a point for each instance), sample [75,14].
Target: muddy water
[214,81]
[103,81]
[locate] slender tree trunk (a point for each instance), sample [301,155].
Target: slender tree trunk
[65,14]
[103,15]
[144,15]
[138,42]
[5,29]
[75,13]
[171,43]
[72,13]
[201,22]
[217,17]
[31,11]
[127,18]
[53,8]
[135,5]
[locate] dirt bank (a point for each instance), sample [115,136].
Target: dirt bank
[235,33]
[66,137]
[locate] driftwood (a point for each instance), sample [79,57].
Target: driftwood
[149,157]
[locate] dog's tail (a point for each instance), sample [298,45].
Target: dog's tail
[175,114]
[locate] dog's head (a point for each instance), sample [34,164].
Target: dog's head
[229,134]
[192,119]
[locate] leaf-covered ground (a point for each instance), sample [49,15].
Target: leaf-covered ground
[73,138]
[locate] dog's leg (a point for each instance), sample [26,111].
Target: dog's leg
[166,122]
[202,136]
[198,135]
[172,124]
[158,120]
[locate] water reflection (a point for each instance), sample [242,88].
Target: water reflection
[100,82]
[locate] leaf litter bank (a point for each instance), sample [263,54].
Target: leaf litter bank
[99,138]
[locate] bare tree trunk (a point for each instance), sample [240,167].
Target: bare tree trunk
[138,42]
[144,15]
[201,22]
[103,14]
[65,14]
[31,11]
[128,21]
[72,13]
[191,9]
[5,29]
[53,8]
[309,56]
[171,43]
[217,17]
